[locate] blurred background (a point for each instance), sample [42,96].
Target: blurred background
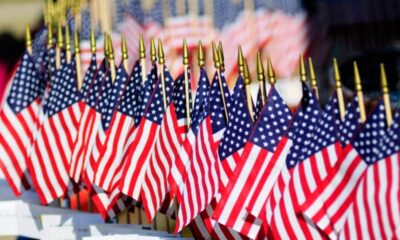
[362,30]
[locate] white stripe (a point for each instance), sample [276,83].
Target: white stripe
[333,156]
[319,161]
[383,182]
[394,193]
[371,204]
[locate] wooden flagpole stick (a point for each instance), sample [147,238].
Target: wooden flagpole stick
[261,78]
[358,88]
[247,82]
[386,96]
[28,40]
[124,50]
[186,75]
[270,72]
[78,60]
[60,45]
[142,57]
[111,58]
[67,45]
[339,90]
[161,61]
[93,48]
[313,79]
[217,65]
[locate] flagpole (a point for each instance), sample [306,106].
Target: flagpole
[93,48]
[339,90]
[240,61]
[60,45]
[313,79]
[261,77]
[221,56]
[67,45]
[247,82]
[386,96]
[161,61]
[217,65]
[49,36]
[28,40]
[142,57]
[303,74]
[153,51]
[124,50]
[78,60]
[111,58]
[186,75]
[358,88]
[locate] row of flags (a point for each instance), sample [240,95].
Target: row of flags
[223,164]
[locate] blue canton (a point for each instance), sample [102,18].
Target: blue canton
[201,104]
[239,125]
[64,90]
[303,127]
[95,89]
[146,92]
[348,127]
[129,101]
[25,86]
[272,123]
[179,97]
[155,110]
[218,120]
[89,75]
[391,141]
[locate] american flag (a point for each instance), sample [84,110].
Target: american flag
[111,135]
[348,127]
[145,92]
[265,152]
[230,149]
[77,163]
[304,153]
[139,152]
[50,160]
[169,140]
[375,210]
[18,118]
[180,165]
[337,192]
[87,132]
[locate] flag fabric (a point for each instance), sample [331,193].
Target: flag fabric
[265,152]
[338,189]
[375,210]
[81,167]
[50,160]
[348,127]
[139,152]
[316,144]
[145,90]
[179,167]
[111,135]
[77,163]
[18,118]
[169,140]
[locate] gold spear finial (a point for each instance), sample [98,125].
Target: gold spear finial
[92,41]
[221,56]
[28,39]
[76,42]
[142,50]
[49,36]
[124,48]
[247,81]
[246,74]
[303,74]
[270,72]
[110,48]
[240,60]
[217,63]
[106,45]
[153,50]
[386,96]
[161,59]
[313,79]
[185,53]
[358,89]
[67,45]
[200,55]
[60,40]
[336,76]
[260,68]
